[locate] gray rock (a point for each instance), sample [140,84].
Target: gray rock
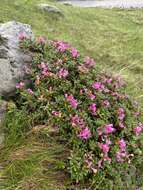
[12,58]
[3,106]
[67,3]
[50,9]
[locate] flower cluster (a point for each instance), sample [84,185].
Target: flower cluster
[91,109]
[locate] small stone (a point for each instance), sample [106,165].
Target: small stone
[50,9]
[67,3]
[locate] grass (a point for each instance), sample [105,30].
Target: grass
[113,37]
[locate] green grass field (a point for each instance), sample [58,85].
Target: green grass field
[112,37]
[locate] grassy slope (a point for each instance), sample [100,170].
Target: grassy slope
[113,37]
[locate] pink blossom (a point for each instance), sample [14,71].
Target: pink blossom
[85,133]
[137,114]
[93,108]
[76,120]
[109,129]
[20,85]
[89,163]
[137,130]
[88,62]
[108,141]
[122,145]
[74,53]
[107,158]
[106,103]
[83,91]
[121,125]
[45,73]
[94,170]
[41,40]
[105,129]
[100,130]
[91,95]
[56,113]
[104,147]
[72,100]
[22,36]
[120,156]
[97,86]
[43,66]
[63,73]
[100,162]
[121,114]
[30,91]
[109,81]
[62,46]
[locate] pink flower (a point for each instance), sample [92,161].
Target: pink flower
[88,62]
[20,85]
[61,46]
[108,141]
[89,163]
[100,162]
[91,95]
[41,40]
[106,158]
[74,53]
[121,114]
[97,86]
[137,130]
[109,129]
[100,130]
[45,73]
[83,91]
[43,66]
[121,125]
[109,81]
[63,73]
[120,156]
[104,147]
[22,36]
[56,113]
[93,108]
[106,103]
[85,134]
[76,120]
[122,145]
[137,114]
[30,91]
[72,100]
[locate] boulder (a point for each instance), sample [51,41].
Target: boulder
[12,58]
[50,9]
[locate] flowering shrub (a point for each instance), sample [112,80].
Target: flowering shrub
[90,108]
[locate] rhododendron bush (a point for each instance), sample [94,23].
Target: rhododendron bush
[91,109]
